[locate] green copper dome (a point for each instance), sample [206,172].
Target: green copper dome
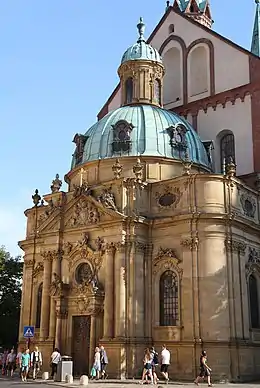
[142,130]
[141,50]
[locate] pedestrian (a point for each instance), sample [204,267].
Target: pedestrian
[97,363]
[205,370]
[36,362]
[147,370]
[10,363]
[4,368]
[55,359]
[165,359]
[103,362]
[155,363]
[25,364]
[18,362]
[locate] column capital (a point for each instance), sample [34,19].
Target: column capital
[110,248]
[190,243]
[29,263]
[236,246]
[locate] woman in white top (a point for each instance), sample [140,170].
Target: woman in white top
[97,363]
[55,358]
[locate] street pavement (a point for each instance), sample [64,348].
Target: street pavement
[15,382]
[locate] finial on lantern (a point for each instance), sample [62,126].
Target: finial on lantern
[231,168]
[141,28]
[138,170]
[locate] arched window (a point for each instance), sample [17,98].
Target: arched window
[129,88]
[157,91]
[254,303]
[171,28]
[168,299]
[227,150]
[39,307]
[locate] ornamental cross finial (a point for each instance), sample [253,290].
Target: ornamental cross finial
[141,28]
[36,198]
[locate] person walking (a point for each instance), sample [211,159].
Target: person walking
[147,370]
[97,363]
[103,362]
[55,359]
[10,363]
[18,361]
[36,361]
[205,370]
[165,358]
[25,364]
[155,363]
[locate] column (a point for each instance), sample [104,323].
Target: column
[26,303]
[109,294]
[139,291]
[93,343]
[120,291]
[58,330]
[56,269]
[45,313]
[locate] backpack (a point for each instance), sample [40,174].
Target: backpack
[155,358]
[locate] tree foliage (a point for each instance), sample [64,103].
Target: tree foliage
[11,270]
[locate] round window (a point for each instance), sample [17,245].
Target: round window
[84,273]
[167,199]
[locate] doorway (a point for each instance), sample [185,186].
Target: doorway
[81,344]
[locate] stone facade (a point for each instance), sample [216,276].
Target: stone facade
[100,249]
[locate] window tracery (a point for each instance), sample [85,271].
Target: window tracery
[39,307]
[169,299]
[122,136]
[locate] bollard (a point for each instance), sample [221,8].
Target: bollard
[69,379]
[45,376]
[83,380]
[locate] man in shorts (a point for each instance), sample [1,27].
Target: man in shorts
[25,364]
[36,361]
[165,357]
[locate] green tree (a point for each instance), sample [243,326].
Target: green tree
[11,270]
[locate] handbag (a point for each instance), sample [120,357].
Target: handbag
[93,372]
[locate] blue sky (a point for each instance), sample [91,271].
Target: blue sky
[59,61]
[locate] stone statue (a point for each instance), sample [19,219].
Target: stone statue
[107,199]
[56,184]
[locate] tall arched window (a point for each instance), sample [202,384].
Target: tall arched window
[227,150]
[129,90]
[254,302]
[157,91]
[39,307]
[169,299]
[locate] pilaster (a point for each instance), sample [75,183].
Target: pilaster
[120,292]
[109,293]
[45,314]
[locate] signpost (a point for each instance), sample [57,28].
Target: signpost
[28,333]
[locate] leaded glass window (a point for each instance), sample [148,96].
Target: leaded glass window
[129,88]
[169,299]
[39,307]
[254,303]
[227,150]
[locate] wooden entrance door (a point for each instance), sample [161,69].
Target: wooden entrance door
[81,344]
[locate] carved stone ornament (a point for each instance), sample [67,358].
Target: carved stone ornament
[100,244]
[52,254]
[88,306]
[253,261]
[166,252]
[236,246]
[68,246]
[81,189]
[29,263]
[168,197]
[56,286]
[117,169]
[191,243]
[107,199]
[83,214]
[248,204]
[122,136]
[49,210]
[166,259]
[177,136]
[38,270]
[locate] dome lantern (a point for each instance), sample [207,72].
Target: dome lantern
[141,73]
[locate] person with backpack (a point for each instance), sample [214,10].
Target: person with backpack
[155,363]
[36,362]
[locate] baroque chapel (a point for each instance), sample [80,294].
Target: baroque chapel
[156,239]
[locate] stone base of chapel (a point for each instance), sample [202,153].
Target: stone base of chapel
[230,362]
